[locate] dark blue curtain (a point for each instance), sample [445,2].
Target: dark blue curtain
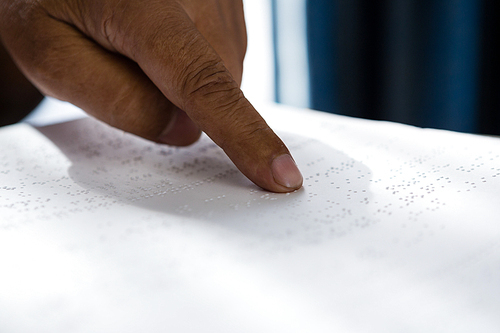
[429,63]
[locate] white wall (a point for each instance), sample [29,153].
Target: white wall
[258,73]
[258,80]
[292,52]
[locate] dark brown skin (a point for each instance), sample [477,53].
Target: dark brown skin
[136,64]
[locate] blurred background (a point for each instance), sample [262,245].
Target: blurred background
[429,63]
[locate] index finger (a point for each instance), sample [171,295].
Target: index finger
[165,43]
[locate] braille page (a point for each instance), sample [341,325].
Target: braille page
[395,230]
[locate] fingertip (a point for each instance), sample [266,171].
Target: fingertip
[181,131]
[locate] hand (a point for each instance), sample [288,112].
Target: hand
[161,69]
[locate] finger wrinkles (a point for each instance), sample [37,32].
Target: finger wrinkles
[208,82]
[234,125]
[107,30]
[116,22]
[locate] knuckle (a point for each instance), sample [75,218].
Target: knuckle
[208,81]
[114,24]
[107,29]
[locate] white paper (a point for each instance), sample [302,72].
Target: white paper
[395,230]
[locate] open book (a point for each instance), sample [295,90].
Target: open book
[397,229]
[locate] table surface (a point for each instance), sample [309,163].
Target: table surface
[396,229]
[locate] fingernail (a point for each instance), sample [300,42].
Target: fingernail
[166,135]
[285,172]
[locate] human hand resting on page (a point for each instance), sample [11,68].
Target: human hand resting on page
[135,64]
